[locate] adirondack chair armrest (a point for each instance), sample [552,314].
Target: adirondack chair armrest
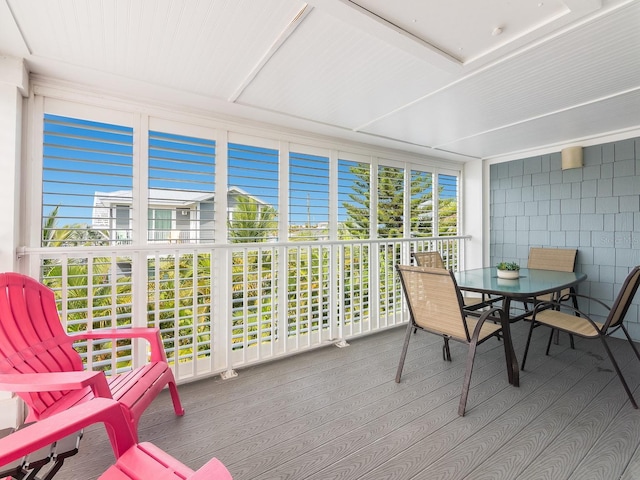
[67,422]
[55,381]
[151,335]
[212,470]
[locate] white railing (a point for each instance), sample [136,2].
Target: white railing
[221,307]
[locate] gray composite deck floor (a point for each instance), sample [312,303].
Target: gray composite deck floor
[336,413]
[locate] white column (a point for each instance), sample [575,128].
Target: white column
[473,215]
[13,85]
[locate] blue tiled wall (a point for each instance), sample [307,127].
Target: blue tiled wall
[596,209]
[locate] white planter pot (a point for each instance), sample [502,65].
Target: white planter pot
[508,274]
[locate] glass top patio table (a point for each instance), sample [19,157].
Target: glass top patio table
[531,283]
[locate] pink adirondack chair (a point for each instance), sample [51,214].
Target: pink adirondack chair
[39,363]
[134,461]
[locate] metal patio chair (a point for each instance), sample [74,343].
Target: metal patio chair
[565,318]
[436,306]
[559,259]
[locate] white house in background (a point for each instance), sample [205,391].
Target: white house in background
[178,216]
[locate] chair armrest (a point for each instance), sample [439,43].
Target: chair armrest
[151,335]
[55,381]
[559,305]
[212,470]
[67,422]
[490,314]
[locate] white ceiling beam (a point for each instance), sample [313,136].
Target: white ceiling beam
[282,38]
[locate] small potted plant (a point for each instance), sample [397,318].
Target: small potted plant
[508,270]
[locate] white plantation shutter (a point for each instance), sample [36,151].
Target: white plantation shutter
[308,275]
[390,202]
[448,220]
[421,203]
[253,193]
[353,203]
[308,197]
[87,178]
[181,188]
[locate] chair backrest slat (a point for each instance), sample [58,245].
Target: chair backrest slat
[624,299]
[561,259]
[434,300]
[428,259]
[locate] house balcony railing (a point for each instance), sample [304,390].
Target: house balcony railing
[222,307]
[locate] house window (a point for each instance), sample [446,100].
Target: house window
[159,225]
[123,223]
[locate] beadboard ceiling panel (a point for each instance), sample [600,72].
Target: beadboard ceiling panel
[461,79]
[483,30]
[331,71]
[558,75]
[207,47]
[579,124]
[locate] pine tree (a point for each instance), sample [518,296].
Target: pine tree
[390,203]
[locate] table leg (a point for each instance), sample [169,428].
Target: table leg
[513,370]
[506,306]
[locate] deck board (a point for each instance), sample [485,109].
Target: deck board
[336,413]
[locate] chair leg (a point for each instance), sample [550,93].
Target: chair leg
[630,341]
[575,300]
[619,372]
[575,305]
[446,353]
[175,398]
[549,342]
[557,339]
[405,347]
[467,377]
[526,348]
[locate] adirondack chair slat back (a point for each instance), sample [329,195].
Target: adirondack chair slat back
[32,338]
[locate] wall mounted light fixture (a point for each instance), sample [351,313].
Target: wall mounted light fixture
[571,157]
